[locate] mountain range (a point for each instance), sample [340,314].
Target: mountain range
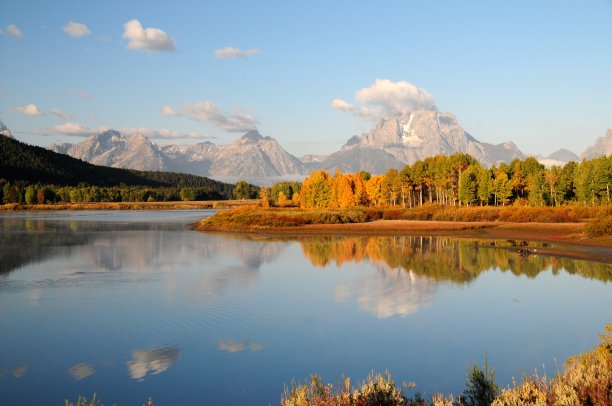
[33,164]
[392,143]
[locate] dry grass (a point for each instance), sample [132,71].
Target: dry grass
[586,381]
[249,218]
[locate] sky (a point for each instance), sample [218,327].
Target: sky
[310,74]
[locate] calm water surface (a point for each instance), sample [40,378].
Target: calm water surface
[134,304]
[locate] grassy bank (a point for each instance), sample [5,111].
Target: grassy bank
[252,218]
[585,380]
[257,218]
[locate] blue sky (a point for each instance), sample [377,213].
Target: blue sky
[537,73]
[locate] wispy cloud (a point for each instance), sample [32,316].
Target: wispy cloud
[385,98]
[80,130]
[12,31]
[61,114]
[72,129]
[237,346]
[84,95]
[165,134]
[75,29]
[231,52]
[147,39]
[29,110]
[209,112]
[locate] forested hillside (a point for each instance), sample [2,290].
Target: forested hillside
[22,165]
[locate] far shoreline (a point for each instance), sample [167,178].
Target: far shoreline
[172,205]
[568,239]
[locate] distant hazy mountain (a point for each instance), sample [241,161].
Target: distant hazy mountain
[602,147]
[392,143]
[256,156]
[395,142]
[110,148]
[559,158]
[252,156]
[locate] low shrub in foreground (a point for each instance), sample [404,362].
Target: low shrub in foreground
[379,389]
[586,381]
[82,401]
[599,227]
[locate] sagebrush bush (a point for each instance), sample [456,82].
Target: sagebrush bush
[601,227]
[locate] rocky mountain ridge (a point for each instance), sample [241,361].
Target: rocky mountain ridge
[391,143]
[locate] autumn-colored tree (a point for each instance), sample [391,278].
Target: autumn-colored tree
[264,197]
[360,194]
[345,190]
[317,190]
[374,190]
[502,188]
[391,186]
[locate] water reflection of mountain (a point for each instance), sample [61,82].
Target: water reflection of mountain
[108,246]
[442,258]
[389,292]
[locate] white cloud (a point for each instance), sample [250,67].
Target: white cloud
[385,98]
[72,129]
[168,111]
[76,29]
[12,31]
[29,110]
[147,39]
[60,114]
[209,112]
[231,52]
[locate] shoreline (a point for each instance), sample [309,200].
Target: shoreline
[568,238]
[177,205]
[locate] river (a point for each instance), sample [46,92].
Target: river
[132,305]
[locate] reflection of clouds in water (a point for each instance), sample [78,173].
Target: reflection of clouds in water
[237,346]
[20,370]
[153,360]
[81,371]
[3,373]
[390,292]
[342,294]
[211,284]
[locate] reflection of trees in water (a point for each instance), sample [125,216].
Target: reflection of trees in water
[442,258]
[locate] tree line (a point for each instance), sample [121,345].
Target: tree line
[25,193]
[457,180]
